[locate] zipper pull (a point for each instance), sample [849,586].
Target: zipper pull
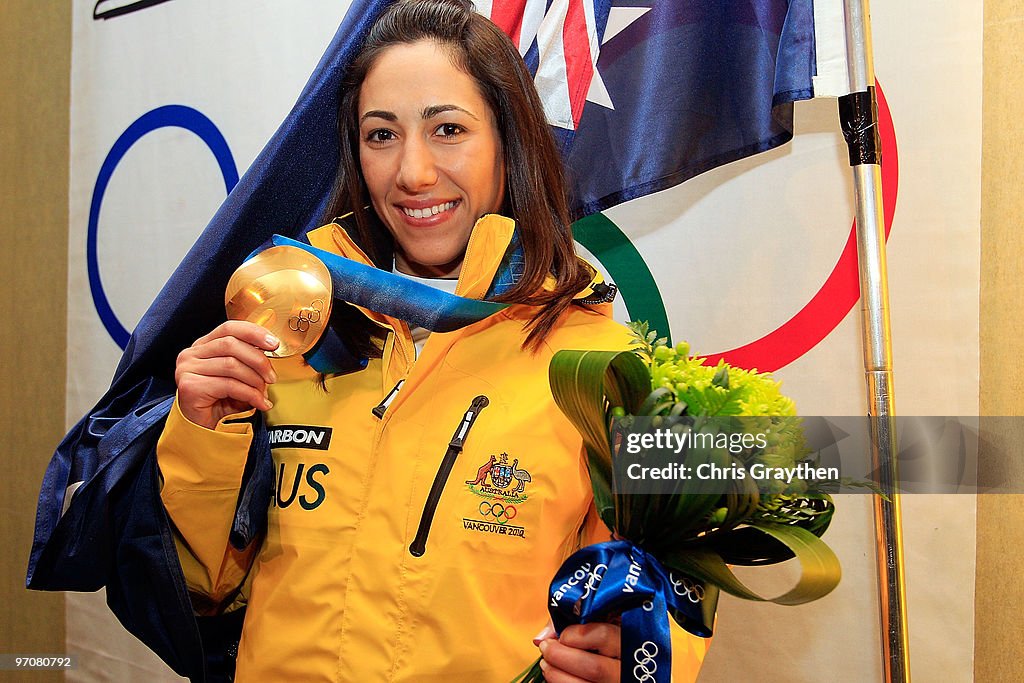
[383,405]
[478,404]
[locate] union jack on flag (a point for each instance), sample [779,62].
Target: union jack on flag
[560,42]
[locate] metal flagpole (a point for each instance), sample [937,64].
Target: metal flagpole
[858,116]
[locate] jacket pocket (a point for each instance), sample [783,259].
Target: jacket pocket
[419,544]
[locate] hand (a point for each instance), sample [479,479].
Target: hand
[225,372]
[583,653]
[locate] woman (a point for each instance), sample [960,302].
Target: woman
[413,535]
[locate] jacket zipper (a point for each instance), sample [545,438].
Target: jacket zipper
[419,544]
[383,405]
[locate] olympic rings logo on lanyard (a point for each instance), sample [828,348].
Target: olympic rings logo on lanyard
[646,666]
[502,513]
[685,588]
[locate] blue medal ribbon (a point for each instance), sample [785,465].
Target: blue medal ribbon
[378,290]
[618,577]
[418,304]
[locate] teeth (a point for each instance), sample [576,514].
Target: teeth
[429,211]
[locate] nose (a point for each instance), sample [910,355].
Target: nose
[418,169]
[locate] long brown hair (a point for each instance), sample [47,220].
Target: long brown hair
[535,181]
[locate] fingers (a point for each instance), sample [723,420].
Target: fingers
[229,357]
[251,333]
[553,674]
[225,370]
[232,347]
[545,633]
[198,393]
[587,652]
[602,638]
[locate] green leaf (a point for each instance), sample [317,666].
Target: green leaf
[746,546]
[586,385]
[655,402]
[820,570]
[531,674]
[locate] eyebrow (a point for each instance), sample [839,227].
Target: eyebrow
[427,113]
[378,114]
[433,110]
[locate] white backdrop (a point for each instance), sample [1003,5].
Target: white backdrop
[736,252]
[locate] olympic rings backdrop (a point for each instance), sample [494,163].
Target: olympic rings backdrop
[172,100]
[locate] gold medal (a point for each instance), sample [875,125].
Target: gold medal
[287,290]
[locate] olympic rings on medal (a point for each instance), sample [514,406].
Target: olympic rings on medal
[646,665]
[685,588]
[498,511]
[308,315]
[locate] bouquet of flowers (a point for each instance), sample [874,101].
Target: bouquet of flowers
[673,546]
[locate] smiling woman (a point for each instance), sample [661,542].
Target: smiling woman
[430,154]
[423,502]
[442,63]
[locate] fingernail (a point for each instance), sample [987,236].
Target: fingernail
[273,341]
[269,404]
[272,376]
[544,666]
[545,633]
[544,645]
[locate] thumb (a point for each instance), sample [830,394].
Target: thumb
[545,633]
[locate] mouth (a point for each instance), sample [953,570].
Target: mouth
[428,211]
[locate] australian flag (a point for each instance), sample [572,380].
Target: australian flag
[646,94]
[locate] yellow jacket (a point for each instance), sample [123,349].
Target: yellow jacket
[391,554]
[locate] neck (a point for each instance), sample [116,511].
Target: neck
[443,271]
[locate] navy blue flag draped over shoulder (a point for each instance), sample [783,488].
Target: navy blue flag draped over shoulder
[646,95]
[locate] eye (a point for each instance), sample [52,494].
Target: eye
[449,130]
[379,136]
